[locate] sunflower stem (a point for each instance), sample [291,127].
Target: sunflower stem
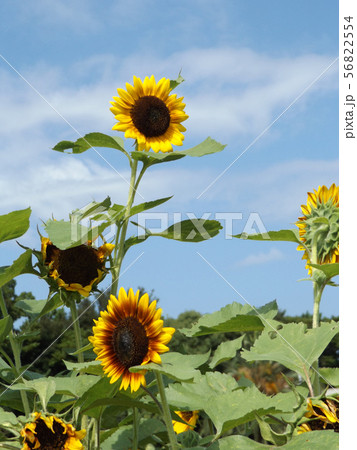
[135,428]
[77,329]
[166,412]
[16,350]
[120,242]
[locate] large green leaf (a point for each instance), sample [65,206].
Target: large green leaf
[23,264]
[39,308]
[235,408]
[175,365]
[5,327]
[91,140]
[193,396]
[226,350]
[207,147]
[292,345]
[65,234]
[234,317]
[282,235]
[7,419]
[190,230]
[330,375]
[316,440]
[91,209]
[14,224]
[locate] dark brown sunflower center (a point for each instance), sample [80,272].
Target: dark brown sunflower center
[47,439]
[151,116]
[130,342]
[78,265]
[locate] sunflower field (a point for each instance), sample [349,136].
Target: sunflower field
[125,387]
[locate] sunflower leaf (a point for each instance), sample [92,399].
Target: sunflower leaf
[91,140]
[175,365]
[282,235]
[5,327]
[191,230]
[148,205]
[233,318]
[293,346]
[14,224]
[226,350]
[64,234]
[207,147]
[23,264]
[330,375]
[39,308]
[90,209]
[330,270]
[151,158]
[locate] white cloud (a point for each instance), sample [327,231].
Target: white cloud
[261,258]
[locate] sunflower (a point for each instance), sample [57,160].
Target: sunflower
[77,268]
[190,417]
[51,433]
[129,333]
[321,415]
[148,113]
[321,215]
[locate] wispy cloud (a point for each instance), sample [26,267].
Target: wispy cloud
[261,258]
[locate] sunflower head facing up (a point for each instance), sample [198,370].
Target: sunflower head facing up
[320,223]
[148,113]
[75,269]
[51,433]
[129,333]
[321,415]
[190,417]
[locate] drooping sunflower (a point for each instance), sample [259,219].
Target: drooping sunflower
[320,415]
[77,268]
[129,333]
[190,417]
[321,215]
[51,433]
[148,113]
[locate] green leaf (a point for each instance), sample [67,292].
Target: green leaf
[330,375]
[148,205]
[240,406]
[7,419]
[39,308]
[316,440]
[270,435]
[14,224]
[226,350]
[5,327]
[330,270]
[175,83]
[193,396]
[282,235]
[233,318]
[175,365]
[67,234]
[45,388]
[293,346]
[90,367]
[207,147]
[23,264]
[91,140]
[90,209]
[74,385]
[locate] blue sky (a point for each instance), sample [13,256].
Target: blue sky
[260,77]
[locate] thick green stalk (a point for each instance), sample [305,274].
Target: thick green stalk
[77,329]
[135,428]
[121,231]
[166,412]
[15,346]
